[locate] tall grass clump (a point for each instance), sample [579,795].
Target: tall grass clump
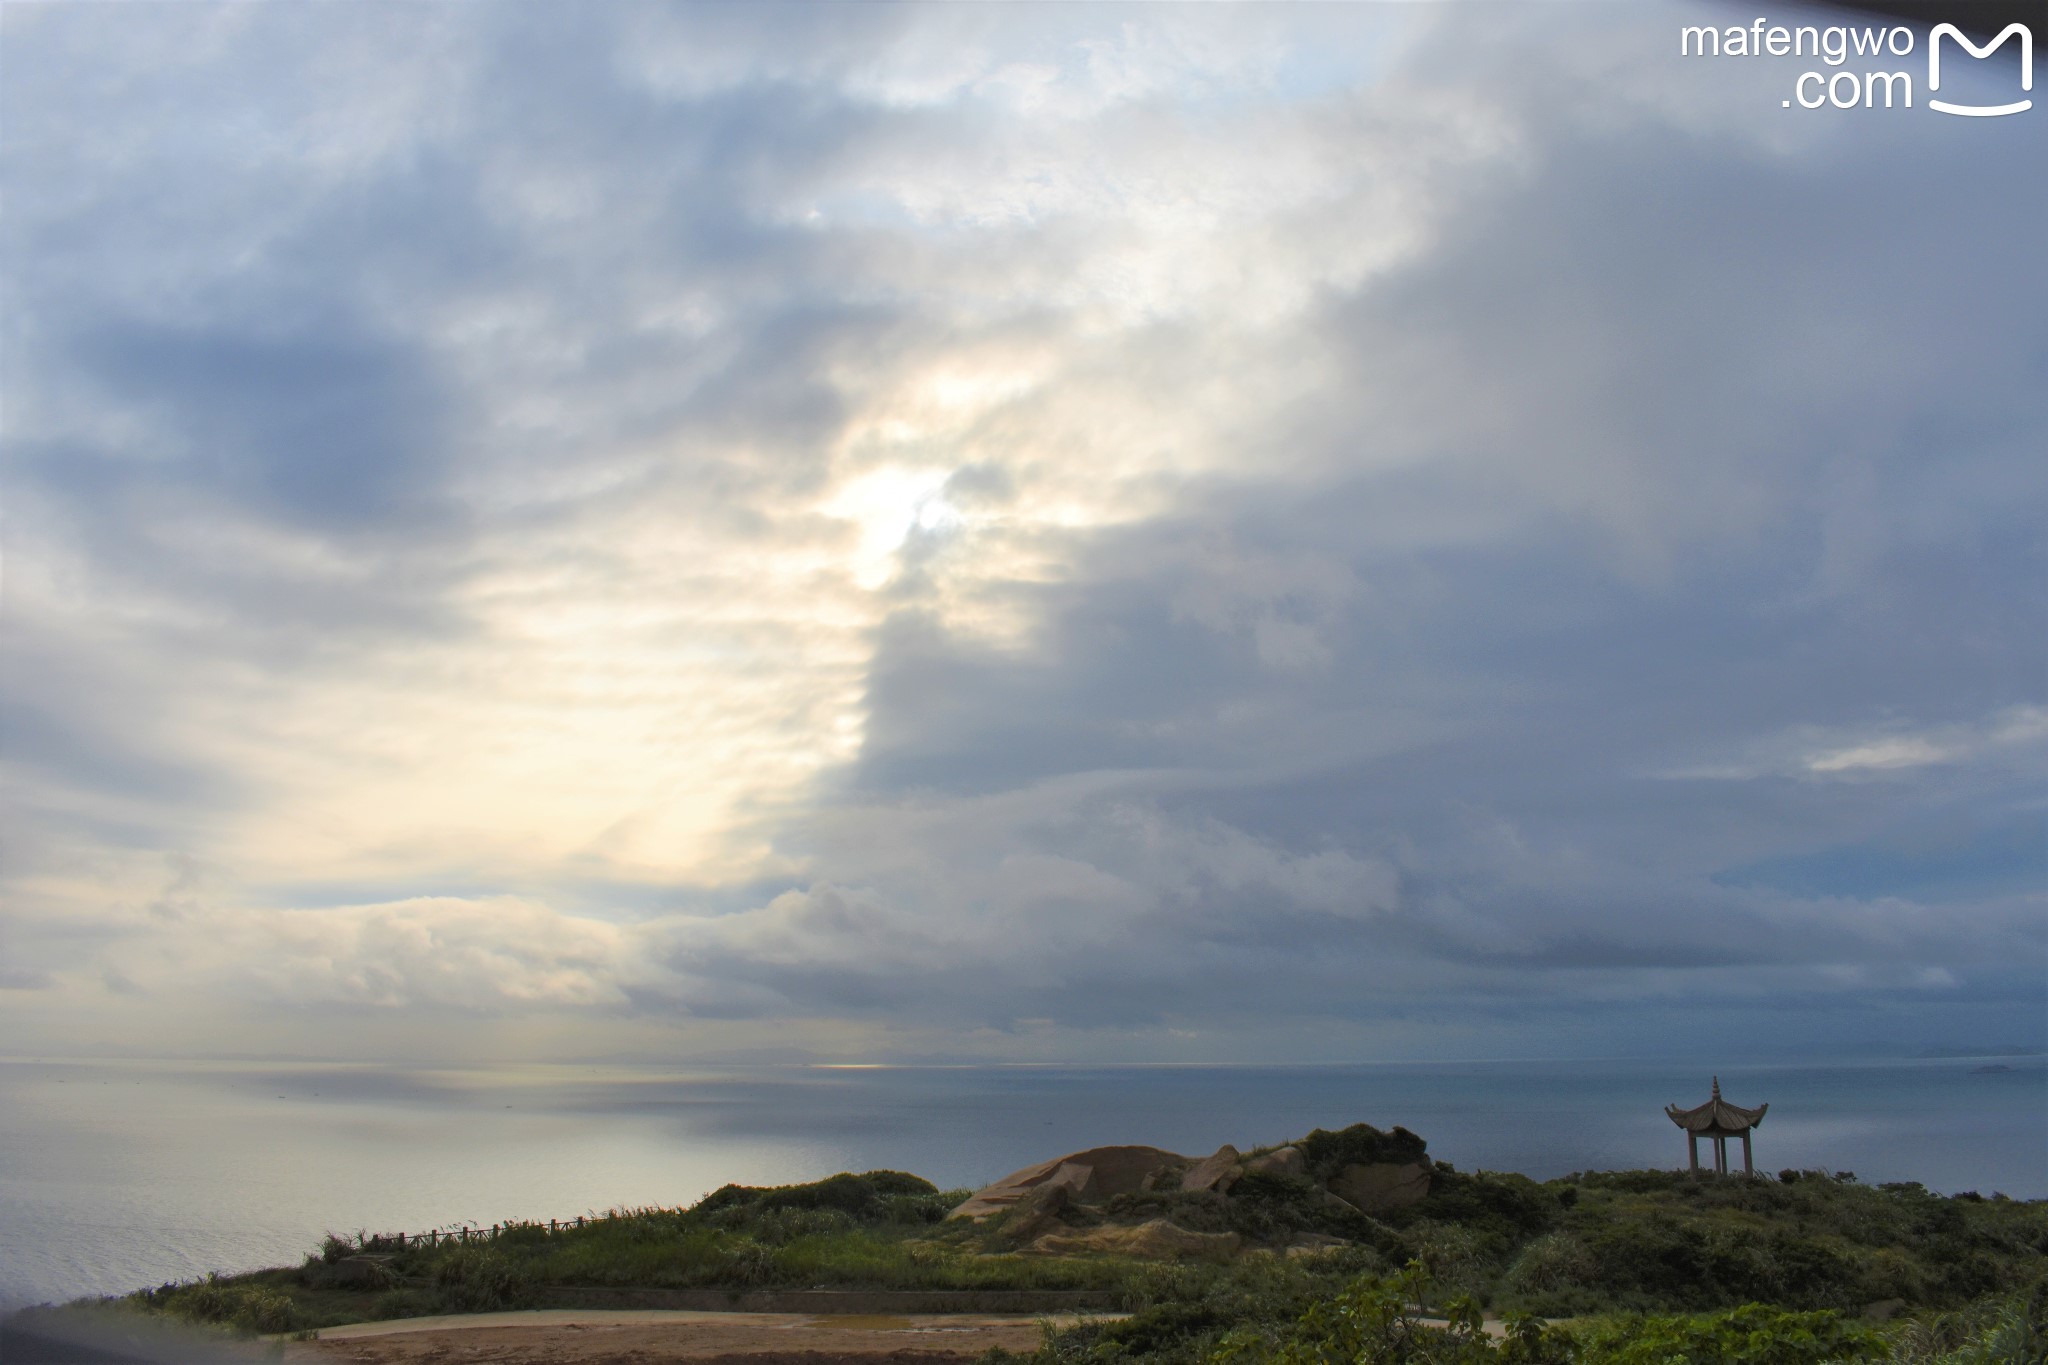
[481,1280]
[246,1309]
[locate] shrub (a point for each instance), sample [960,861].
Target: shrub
[1373,1321]
[2012,1331]
[247,1309]
[777,1227]
[266,1310]
[1512,1207]
[404,1303]
[1751,1335]
[1359,1145]
[476,1280]
[871,1198]
[1554,1263]
[1456,1259]
[1266,1207]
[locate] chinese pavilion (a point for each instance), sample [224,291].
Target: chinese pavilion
[1719,1120]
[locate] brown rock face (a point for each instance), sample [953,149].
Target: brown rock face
[1218,1172]
[1382,1186]
[1094,1175]
[1280,1161]
[1156,1240]
[1038,1212]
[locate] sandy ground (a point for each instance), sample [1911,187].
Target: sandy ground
[649,1337]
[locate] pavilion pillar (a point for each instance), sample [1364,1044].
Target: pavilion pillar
[1748,1167]
[1720,1155]
[1692,1149]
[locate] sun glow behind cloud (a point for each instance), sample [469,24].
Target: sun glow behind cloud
[990,522]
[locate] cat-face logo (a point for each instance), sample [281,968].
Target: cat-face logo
[2026,38]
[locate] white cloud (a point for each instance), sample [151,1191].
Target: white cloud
[1090,509]
[1902,752]
[2010,736]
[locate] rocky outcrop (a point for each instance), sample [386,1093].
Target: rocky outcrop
[1217,1172]
[1319,1185]
[1157,1240]
[1094,1175]
[1381,1187]
[1287,1161]
[1037,1213]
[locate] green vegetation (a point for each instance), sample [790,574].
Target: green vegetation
[1644,1266]
[1377,1320]
[1372,1321]
[881,1230]
[1361,1144]
[1650,1241]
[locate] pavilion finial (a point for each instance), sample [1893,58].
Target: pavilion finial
[1717,1088]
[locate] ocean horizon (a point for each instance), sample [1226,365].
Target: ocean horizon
[121,1174]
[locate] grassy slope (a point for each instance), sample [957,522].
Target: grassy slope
[1601,1243]
[1659,1241]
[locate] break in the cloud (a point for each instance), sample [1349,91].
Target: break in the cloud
[1014,531]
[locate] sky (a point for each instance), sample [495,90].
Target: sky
[1011,532]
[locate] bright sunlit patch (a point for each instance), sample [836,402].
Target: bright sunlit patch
[887,505]
[959,388]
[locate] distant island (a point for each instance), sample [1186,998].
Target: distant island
[1300,1252]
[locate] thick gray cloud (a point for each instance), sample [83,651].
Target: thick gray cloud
[1190,532]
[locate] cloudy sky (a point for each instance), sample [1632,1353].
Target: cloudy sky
[1011,531]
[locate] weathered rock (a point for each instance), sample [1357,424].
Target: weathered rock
[1279,1161]
[1094,1175]
[1382,1186]
[1331,1201]
[1157,1240]
[1018,1186]
[1037,1213]
[1217,1172]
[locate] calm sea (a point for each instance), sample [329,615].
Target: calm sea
[116,1175]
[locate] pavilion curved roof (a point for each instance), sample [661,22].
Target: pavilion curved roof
[1716,1115]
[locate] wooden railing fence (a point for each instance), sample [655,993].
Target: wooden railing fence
[469,1233]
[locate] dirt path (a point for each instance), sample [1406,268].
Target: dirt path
[554,1336]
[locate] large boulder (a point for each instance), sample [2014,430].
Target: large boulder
[1092,1176]
[1157,1240]
[1036,1214]
[1286,1161]
[1217,1172]
[1381,1186]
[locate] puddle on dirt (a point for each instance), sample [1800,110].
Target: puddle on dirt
[861,1322]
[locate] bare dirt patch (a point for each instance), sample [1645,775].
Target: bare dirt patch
[653,1338]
